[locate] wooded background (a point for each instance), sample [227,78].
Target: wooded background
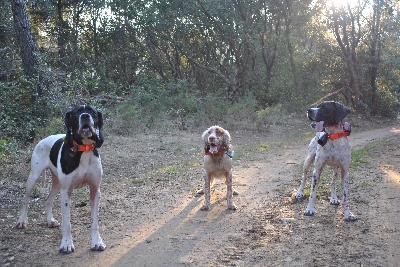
[188,61]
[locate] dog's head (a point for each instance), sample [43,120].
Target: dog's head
[328,113]
[84,122]
[216,139]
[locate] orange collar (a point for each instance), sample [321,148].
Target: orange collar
[217,153]
[83,148]
[338,135]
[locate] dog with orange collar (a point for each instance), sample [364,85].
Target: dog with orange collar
[74,162]
[329,147]
[217,163]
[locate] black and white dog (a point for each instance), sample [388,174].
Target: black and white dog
[74,161]
[329,147]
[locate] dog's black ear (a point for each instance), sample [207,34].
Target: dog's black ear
[341,112]
[67,121]
[99,119]
[99,138]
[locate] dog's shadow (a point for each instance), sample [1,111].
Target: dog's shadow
[184,231]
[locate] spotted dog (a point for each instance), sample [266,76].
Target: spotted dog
[217,163]
[330,147]
[74,162]
[312,151]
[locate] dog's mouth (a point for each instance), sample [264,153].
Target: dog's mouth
[86,131]
[214,148]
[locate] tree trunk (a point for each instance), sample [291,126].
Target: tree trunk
[375,53]
[28,50]
[30,58]
[348,42]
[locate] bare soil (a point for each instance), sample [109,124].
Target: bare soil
[150,213]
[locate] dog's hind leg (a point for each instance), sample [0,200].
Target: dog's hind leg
[30,185]
[334,199]
[55,188]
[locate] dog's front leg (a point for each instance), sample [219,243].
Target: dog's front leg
[346,211]
[207,192]
[229,192]
[97,243]
[66,246]
[306,166]
[334,199]
[310,210]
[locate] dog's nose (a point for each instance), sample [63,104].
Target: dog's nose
[85,116]
[211,138]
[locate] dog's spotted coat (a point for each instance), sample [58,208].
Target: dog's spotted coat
[335,153]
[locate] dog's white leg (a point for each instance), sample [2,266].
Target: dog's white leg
[97,243]
[207,192]
[346,211]
[334,199]
[306,166]
[66,246]
[55,188]
[229,192]
[312,148]
[30,185]
[310,210]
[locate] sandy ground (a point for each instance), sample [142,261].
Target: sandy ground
[150,214]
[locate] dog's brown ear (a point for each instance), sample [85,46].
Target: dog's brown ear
[226,138]
[68,125]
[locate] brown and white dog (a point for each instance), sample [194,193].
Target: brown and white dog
[74,161]
[217,163]
[329,147]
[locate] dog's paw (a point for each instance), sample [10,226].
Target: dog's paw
[349,217]
[53,223]
[309,213]
[299,195]
[205,207]
[21,224]
[67,248]
[97,243]
[334,201]
[200,192]
[232,207]
[98,247]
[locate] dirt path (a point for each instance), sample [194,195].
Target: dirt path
[144,222]
[187,236]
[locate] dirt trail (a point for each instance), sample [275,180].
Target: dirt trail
[189,237]
[156,221]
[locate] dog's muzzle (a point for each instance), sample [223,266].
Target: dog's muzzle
[86,125]
[312,113]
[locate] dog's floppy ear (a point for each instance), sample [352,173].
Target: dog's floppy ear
[98,137]
[341,112]
[226,137]
[67,121]
[204,136]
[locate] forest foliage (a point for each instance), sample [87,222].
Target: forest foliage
[185,63]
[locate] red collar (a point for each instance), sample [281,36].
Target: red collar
[216,153]
[83,148]
[338,135]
